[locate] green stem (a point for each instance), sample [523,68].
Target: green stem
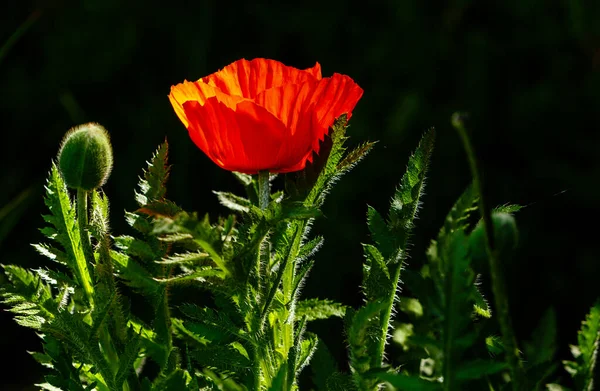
[264,191]
[82,220]
[498,285]
[386,315]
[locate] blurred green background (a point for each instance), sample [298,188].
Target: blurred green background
[528,72]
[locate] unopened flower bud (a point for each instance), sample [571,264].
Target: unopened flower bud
[505,235]
[85,158]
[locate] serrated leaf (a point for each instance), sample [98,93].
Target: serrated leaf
[586,351]
[481,306]
[377,282]
[184,258]
[360,337]
[152,184]
[406,200]
[198,274]
[380,233]
[63,220]
[305,346]
[314,309]
[29,297]
[355,156]
[134,274]
[51,253]
[309,248]
[507,208]
[234,202]
[127,358]
[327,171]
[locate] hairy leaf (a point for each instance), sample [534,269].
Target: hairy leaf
[314,309]
[152,184]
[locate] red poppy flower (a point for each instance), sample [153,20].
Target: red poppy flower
[262,115]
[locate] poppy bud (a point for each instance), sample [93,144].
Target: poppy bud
[85,158]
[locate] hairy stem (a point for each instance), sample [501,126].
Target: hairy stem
[498,285]
[386,315]
[264,189]
[82,220]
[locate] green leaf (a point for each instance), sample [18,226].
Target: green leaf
[507,208]
[478,369]
[188,258]
[134,274]
[215,320]
[279,380]
[127,358]
[328,171]
[176,380]
[361,341]
[408,383]
[377,283]
[481,306]
[236,203]
[323,365]
[542,347]
[340,382]
[152,186]
[65,228]
[308,346]
[556,387]
[75,335]
[459,279]
[406,200]
[51,253]
[151,342]
[309,248]
[319,309]
[586,351]
[29,298]
[353,157]
[380,231]
[411,306]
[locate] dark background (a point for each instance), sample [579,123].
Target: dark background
[528,72]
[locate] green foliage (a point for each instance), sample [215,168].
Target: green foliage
[585,352]
[222,306]
[369,326]
[408,383]
[314,309]
[29,297]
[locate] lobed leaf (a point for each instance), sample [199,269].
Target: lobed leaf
[314,309]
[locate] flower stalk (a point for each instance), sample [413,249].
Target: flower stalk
[498,285]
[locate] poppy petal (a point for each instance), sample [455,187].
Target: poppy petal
[246,139]
[249,78]
[310,108]
[199,92]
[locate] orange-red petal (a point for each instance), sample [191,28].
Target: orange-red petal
[199,92]
[310,108]
[249,78]
[246,139]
